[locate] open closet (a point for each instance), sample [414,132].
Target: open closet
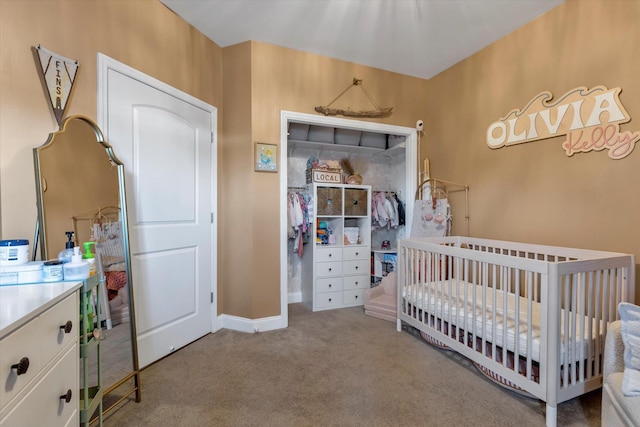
[384,156]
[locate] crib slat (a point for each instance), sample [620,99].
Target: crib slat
[564,335]
[530,289]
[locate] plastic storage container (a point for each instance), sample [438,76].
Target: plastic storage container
[30,272]
[52,271]
[14,252]
[77,269]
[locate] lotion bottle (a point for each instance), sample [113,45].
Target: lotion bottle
[77,269]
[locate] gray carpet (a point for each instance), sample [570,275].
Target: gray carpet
[331,368]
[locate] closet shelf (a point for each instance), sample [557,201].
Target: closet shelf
[295,143]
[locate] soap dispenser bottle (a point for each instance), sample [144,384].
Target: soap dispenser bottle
[77,269]
[89,257]
[65,255]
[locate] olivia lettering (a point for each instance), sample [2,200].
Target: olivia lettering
[589,118]
[503,132]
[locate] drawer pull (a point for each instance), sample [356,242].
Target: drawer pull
[67,396]
[329,299]
[330,255]
[356,267]
[330,285]
[357,253]
[67,327]
[22,366]
[356,283]
[330,268]
[356,296]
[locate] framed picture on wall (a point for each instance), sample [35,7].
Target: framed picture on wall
[266,157]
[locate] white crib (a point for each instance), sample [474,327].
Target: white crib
[531,317]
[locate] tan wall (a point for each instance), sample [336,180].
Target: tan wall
[142,34]
[534,192]
[282,79]
[530,192]
[236,238]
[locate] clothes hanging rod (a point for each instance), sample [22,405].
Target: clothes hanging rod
[436,180]
[461,187]
[106,210]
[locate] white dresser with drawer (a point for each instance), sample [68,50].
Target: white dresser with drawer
[337,271]
[39,356]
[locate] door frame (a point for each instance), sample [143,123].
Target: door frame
[411,176]
[105,64]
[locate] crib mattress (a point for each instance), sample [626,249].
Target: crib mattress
[461,304]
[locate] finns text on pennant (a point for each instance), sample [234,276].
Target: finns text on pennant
[58,75]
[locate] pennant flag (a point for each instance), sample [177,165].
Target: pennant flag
[58,74]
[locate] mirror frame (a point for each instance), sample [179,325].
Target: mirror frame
[40,239]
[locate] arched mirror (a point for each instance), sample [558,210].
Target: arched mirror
[80,188]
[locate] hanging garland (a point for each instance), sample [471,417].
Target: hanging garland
[378,112]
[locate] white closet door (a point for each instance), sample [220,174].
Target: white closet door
[165,143]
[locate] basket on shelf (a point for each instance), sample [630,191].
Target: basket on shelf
[329,201]
[355,202]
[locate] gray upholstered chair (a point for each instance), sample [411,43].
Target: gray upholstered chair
[617,409]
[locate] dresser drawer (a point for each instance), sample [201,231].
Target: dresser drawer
[329,284]
[328,269]
[23,344]
[356,267]
[328,254]
[353,297]
[42,406]
[52,326]
[39,341]
[328,300]
[356,253]
[356,282]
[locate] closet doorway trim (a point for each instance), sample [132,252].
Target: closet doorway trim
[411,173]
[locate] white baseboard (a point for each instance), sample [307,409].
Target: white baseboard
[294,297]
[242,324]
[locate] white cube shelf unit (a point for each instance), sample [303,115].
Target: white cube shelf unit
[337,263]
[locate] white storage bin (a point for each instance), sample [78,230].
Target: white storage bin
[321,134]
[395,140]
[347,136]
[298,131]
[374,140]
[352,234]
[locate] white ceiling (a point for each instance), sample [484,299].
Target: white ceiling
[419,38]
